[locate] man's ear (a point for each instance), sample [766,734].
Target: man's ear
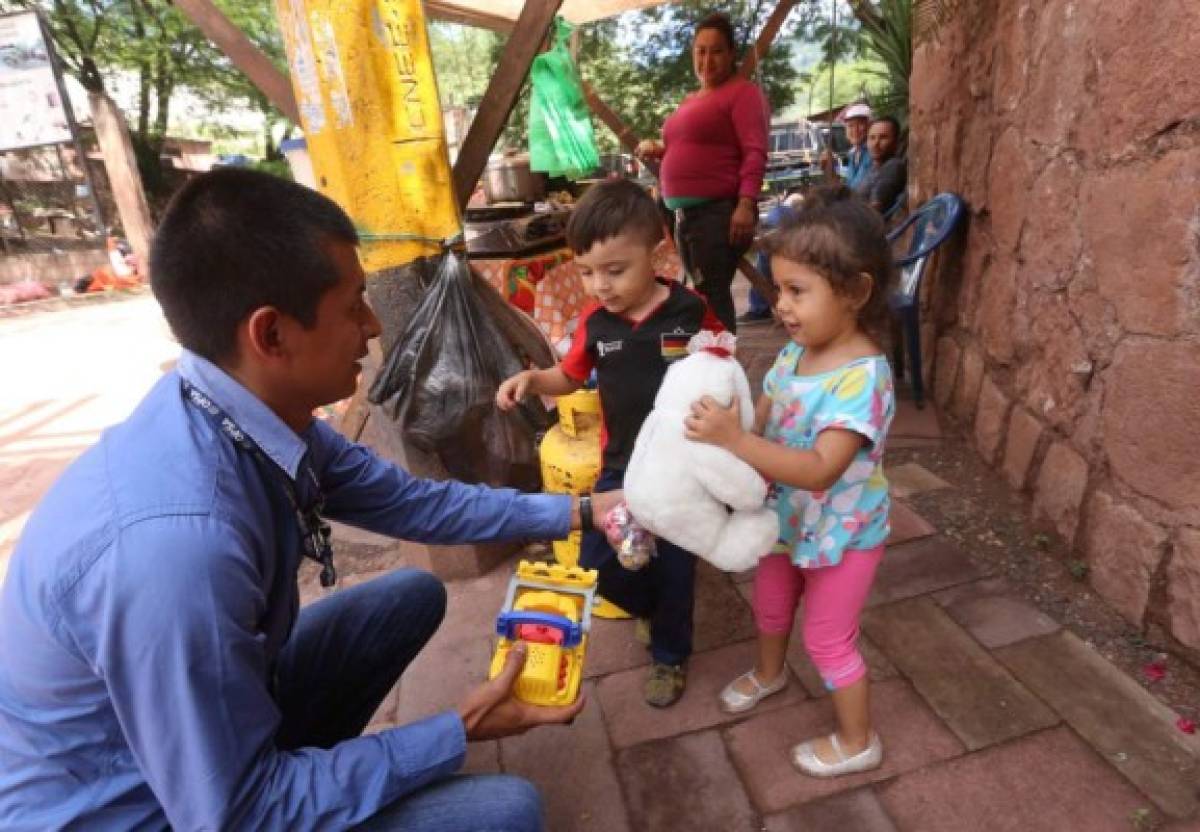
[264,332]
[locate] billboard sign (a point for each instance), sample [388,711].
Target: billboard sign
[29,93]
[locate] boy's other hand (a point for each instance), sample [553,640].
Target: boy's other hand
[713,423]
[492,711]
[512,390]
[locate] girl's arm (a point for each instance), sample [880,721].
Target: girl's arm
[814,469]
[762,412]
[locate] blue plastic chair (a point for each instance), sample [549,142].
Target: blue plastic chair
[932,224]
[896,207]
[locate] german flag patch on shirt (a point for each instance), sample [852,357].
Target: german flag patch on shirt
[674,345]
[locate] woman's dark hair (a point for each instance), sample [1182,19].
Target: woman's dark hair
[234,240]
[719,21]
[609,208]
[839,235]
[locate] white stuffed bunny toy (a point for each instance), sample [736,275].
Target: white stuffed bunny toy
[699,496]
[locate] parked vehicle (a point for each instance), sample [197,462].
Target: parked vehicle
[795,144]
[793,156]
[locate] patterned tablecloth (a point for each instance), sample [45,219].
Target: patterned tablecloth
[547,286]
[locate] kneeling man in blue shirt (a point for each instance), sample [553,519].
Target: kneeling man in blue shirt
[155,668]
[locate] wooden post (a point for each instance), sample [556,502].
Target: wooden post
[537,17]
[245,55]
[115,146]
[766,37]
[625,136]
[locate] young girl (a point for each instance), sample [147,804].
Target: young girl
[827,405]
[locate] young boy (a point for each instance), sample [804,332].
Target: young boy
[636,326]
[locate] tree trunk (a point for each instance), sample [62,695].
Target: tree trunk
[143,125]
[162,114]
[113,137]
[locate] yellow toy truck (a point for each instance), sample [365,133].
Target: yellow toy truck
[549,607]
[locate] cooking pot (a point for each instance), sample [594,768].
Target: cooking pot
[507,178]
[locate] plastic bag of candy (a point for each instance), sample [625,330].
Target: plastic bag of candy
[633,544]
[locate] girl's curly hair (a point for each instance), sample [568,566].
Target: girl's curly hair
[841,236]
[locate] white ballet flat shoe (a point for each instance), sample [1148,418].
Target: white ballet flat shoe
[733,701]
[804,758]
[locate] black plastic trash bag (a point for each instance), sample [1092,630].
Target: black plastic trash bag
[439,382]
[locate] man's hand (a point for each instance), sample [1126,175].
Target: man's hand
[513,390]
[491,711]
[602,503]
[710,422]
[827,164]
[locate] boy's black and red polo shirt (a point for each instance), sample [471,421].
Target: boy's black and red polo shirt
[631,358]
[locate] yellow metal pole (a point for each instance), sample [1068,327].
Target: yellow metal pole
[363,77]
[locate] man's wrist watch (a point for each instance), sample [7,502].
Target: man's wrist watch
[585,513]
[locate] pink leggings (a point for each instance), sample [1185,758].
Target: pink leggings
[833,599]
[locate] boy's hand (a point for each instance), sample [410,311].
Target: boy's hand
[491,711]
[710,422]
[512,390]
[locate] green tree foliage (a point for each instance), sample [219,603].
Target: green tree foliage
[464,59]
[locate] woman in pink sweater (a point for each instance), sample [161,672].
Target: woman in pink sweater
[714,153]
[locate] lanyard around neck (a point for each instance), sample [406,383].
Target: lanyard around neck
[314,531]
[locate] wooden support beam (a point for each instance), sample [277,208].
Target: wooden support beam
[766,37]
[243,53]
[537,17]
[467,17]
[602,111]
[758,280]
[112,134]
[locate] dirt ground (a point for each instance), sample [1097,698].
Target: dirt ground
[991,524]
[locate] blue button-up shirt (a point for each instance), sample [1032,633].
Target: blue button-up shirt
[858,165]
[148,599]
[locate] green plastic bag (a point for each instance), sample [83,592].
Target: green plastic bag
[561,139]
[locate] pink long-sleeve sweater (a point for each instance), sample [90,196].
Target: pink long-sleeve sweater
[716,144]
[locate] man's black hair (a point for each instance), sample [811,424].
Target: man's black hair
[612,207]
[889,120]
[234,240]
[721,22]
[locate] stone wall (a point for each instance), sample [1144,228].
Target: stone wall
[51,268]
[1065,336]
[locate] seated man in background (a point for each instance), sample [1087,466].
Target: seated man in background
[888,176]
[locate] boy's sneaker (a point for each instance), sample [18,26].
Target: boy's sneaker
[665,684]
[641,632]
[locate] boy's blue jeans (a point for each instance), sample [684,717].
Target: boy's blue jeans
[664,591]
[344,655]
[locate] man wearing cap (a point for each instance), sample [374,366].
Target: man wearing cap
[858,161]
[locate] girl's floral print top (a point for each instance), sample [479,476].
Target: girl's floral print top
[818,526]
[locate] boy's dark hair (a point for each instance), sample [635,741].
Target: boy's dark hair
[609,208]
[721,22]
[839,235]
[233,240]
